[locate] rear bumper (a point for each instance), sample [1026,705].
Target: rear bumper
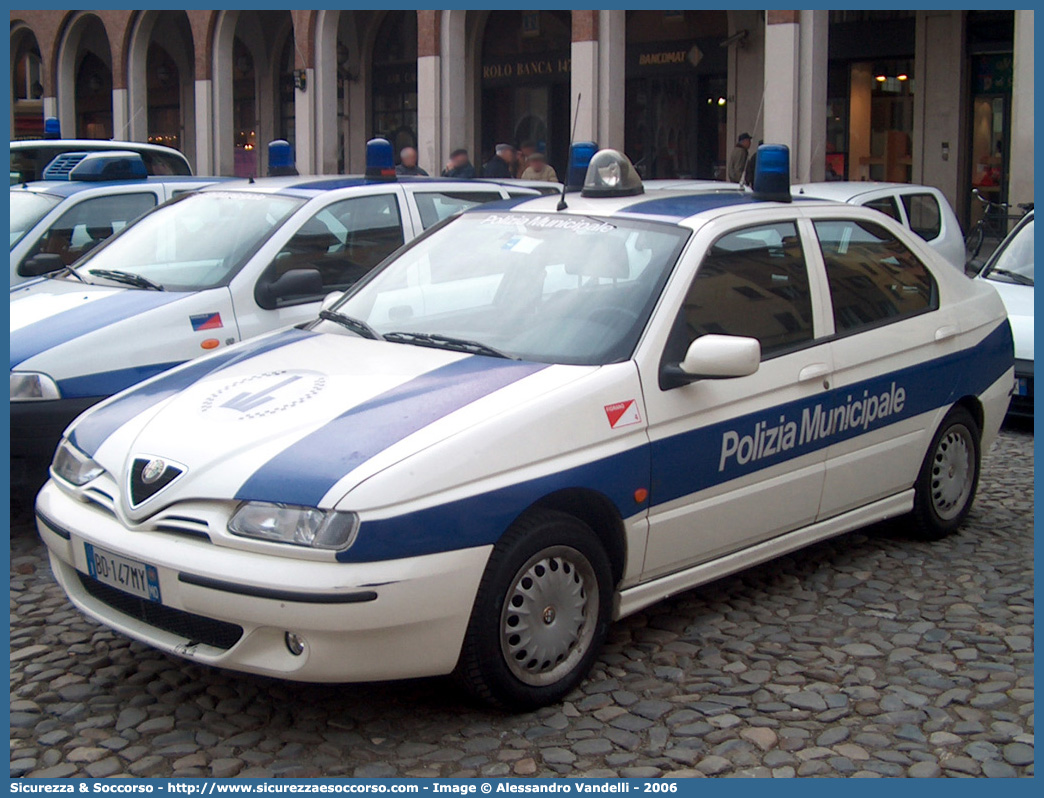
[36,429]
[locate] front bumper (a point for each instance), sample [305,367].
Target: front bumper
[1022,399]
[394,619]
[36,429]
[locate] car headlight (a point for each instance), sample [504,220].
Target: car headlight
[73,466]
[27,386]
[300,526]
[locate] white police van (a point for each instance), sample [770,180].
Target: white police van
[82,200]
[527,423]
[199,274]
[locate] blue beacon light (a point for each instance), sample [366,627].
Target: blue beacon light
[380,160]
[772,173]
[580,155]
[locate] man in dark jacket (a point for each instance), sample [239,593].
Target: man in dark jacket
[502,165]
[408,163]
[459,166]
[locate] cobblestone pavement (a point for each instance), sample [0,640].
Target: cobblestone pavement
[869,655]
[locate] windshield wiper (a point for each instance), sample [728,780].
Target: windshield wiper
[446,342]
[1021,279]
[357,326]
[126,278]
[65,270]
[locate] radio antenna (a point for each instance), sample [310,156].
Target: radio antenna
[572,136]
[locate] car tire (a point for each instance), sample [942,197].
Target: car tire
[541,613]
[949,477]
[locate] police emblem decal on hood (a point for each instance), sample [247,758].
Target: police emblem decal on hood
[264,394]
[150,475]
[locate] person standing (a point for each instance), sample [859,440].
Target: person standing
[738,158]
[408,163]
[459,165]
[539,169]
[752,165]
[501,165]
[525,150]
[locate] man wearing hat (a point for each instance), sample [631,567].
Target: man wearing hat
[738,158]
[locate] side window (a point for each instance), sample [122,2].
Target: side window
[886,205]
[434,206]
[923,212]
[873,277]
[158,163]
[344,240]
[85,225]
[754,283]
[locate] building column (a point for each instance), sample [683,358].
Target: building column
[204,90]
[584,76]
[612,63]
[429,91]
[746,79]
[795,88]
[304,125]
[782,58]
[122,124]
[810,158]
[1020,184]
[940,107]
[456,100]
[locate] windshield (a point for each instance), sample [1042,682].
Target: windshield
[1013,263]
[27,208]
[198,241]
[545,288]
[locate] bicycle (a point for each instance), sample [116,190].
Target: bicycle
[993,224]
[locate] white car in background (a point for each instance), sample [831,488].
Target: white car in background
[922,209]
[1010,271]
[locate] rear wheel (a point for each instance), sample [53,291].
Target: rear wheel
[973,243]
[541,613]
[946,486]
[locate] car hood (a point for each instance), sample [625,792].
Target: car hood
[48,313]
[1018,301]
[299,417]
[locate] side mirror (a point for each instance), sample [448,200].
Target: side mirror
[44,263]
[330,299]
[299,283]
[714,357]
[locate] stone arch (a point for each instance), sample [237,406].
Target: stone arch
[85,38]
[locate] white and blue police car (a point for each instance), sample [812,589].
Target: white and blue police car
[81,201]
[200,273]
[529,422]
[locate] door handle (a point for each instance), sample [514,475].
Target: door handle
[946,332]
[813,371]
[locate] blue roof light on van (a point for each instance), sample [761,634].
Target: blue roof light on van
[772,173]
[52,128]
[109,165]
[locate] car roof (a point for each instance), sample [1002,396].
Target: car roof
[66,188]
[309,186]
[71,145]
[664,205]
[848,190]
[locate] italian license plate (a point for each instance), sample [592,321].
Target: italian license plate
[124,574]
[1021,386]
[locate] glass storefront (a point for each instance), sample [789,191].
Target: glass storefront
[526,67]
[676,94]
[395,80]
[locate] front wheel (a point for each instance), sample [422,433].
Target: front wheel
[946,486]
[541,613]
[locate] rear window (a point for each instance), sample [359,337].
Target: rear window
[434,206]
[922,210]
[29,162]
